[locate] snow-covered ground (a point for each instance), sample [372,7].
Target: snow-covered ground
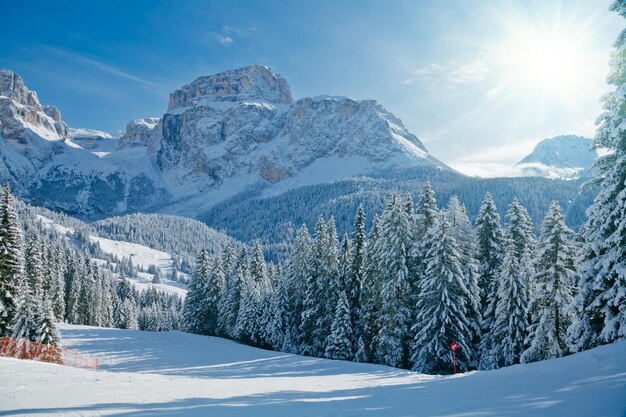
[178,374]
[141,256]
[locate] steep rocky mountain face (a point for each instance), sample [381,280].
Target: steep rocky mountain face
[76,171]
[241,130]
[222,135]
[565,157]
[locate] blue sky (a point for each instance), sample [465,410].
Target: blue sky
[449,69]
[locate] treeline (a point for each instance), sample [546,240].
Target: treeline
[401,293]
[44,279]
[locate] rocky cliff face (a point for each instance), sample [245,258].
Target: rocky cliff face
[20,111]
[222,135]
[138,132]
[241,127]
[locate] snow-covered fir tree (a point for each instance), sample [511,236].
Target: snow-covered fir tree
[490,240]
[339,343]
[354,285]
[442,306]
[391,252]
[11,261]
[34,265]
[519,230]
[465,237]
[46,326]
[554,281]
[196,311]
[511,320]
[371,301]
[25,322]
[298,279]
[600,303]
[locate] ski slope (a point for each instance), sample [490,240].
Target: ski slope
[178,374]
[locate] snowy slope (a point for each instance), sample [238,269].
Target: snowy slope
[144,256]
[141,256]
[178,374]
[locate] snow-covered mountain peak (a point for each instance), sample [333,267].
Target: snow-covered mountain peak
[565,156]
[565,151]
[255,82]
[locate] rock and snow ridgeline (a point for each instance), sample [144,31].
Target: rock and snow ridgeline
[222,135]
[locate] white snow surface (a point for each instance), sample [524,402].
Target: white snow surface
[143,256]
[179,374]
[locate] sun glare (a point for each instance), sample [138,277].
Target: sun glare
[548,64]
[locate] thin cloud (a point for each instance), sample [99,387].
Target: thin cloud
[224,40]
[453,74]
[108,69]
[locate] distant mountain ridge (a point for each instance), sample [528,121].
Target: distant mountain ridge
[222,134]
[235,150]
[565,156]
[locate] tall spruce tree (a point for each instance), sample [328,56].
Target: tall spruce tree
[354,286]
[555,278]
[392,254]
[196,314]
[465,237]
[298,279]
[442,306]
[490,239]
[602,298]
[339,344]
[371,300]
[511,320]
[11,261]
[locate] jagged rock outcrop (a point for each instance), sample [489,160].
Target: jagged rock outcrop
[242,127]
[255,82]
[21,112]
[138,132]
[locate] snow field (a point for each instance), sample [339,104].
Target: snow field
[179,374]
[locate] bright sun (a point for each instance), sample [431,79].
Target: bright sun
[550,63]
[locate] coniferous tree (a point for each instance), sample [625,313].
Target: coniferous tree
[25,322]
[600,303]
[425,218]
[11,261]
[48,332]
[312,306]
[34,266]
[371,300]
[195,310]
[339,344]
[227,260]
[520,232]
[392,254]
[279,326]
[442,307]
[556,274]
[356,274]
[298,277]
[465,237]
[511,320]
[247,326]
[260,276]
[73,281]
[236,283]
[490,239]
